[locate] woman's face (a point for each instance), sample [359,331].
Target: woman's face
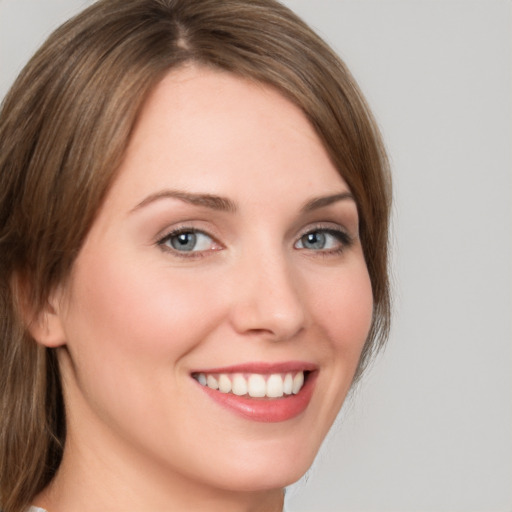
[226,254]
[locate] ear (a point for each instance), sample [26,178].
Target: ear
[46,326]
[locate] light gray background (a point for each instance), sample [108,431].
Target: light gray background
[430,429]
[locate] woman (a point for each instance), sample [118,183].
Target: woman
[194,211]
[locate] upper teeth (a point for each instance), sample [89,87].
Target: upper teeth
[255,385]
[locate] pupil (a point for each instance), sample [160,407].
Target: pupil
[314,240]
[184,241]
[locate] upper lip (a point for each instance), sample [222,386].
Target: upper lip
[262,367]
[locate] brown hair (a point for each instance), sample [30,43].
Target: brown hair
[64,128]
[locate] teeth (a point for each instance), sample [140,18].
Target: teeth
[224,383]
[239,385]
[275,386]
[211,381]
[288,384]
[298,382]
[255,385]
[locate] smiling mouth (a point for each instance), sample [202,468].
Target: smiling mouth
[260,391]
[254,385]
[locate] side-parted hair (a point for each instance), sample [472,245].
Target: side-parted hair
[64,128]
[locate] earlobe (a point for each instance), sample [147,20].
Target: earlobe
[44,324]
[46,327]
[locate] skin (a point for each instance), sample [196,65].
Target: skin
[136,317]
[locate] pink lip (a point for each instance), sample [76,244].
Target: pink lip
[263,368]
[267,410]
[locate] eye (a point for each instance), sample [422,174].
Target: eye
[322,239]
[186,240]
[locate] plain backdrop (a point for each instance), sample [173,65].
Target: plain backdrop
[430,428]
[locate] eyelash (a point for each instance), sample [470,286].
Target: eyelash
[344,239]
[185,254]
[341,236]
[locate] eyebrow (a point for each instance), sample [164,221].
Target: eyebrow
[224,204]
[207,200]
[323,201]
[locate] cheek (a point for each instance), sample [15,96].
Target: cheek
[139,314]
[344,308]
[128,330]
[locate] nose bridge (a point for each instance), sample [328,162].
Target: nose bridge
[267,298]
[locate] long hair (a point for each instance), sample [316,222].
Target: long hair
[64,128]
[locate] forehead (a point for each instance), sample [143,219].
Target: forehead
[210,131]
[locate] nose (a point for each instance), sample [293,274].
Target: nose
[267,300]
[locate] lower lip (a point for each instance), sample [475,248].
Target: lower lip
[266,410]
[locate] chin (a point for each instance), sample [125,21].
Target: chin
[273,465]
[264,479]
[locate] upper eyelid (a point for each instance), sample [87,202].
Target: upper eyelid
[184,228]
[162,240]
[345,238]
[179,231]
[325,226]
